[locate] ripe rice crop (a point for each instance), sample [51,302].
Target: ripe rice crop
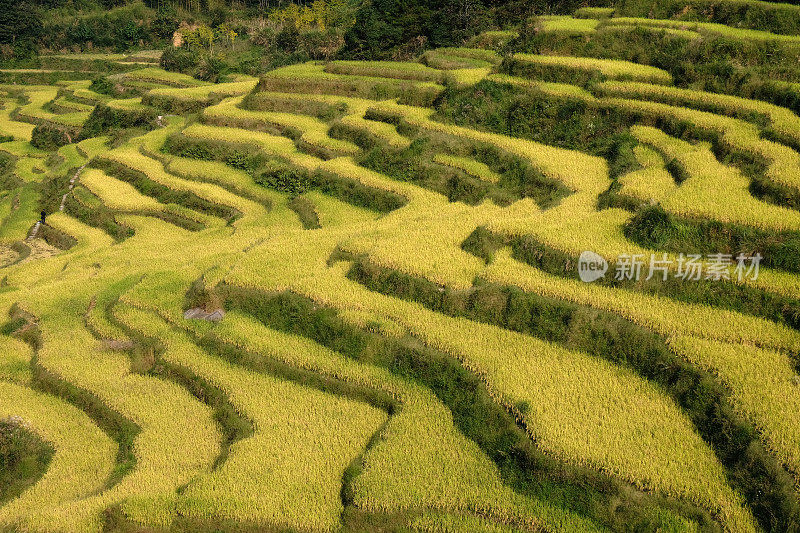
[92,147]
[162,77]
[167,455]
[294,464]
[470,166]
[783,162]
[117,194]
[206,92]
[519,369]
[594,12]
[355,110]
[762,385]
[21,131]
[653,312]
[237,181]
[312,78]
[608,68]
[652,183]
[15,359]
[576,170]
[468,76]
[22,149]
[567,24]
[657,30]
[97,319]
[782,120]
[66,106]
[83,459]
[431,250]
[29,169]
[707,27]
[89,238]
[127,104]
[133,159]
[271,144]
[314,131]
[547,87]
[450,58]
[234,424]
[385,69]
[88,96]
[23,214]
[421,460]
[334,213]
[714,190]
[433,522]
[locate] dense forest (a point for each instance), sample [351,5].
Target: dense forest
[251,35]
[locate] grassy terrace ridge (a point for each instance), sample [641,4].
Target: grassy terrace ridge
[321,267]
[607,68]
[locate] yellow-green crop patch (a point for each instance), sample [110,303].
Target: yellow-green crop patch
[567,24]
[608,68]
[341,294]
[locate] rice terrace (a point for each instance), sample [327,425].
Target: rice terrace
[399,265]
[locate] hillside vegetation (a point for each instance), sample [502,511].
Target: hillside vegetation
[318,267]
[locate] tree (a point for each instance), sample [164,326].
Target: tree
[20,22]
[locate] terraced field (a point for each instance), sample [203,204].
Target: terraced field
[333,298]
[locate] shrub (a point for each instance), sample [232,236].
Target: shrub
[211,68]
[178,60]
[48,137]
[284,178]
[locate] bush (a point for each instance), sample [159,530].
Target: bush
[48,137]
[210,69]
[165,23]
[288,39]
[178,60]
[104,119]
[103,85]
[285,179]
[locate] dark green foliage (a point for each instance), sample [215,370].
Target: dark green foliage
[241,156]
[179,60]
[354,192]
[23,458]
[96,215]
[774,17]
[20,27]
[288,39]
[654,228]
[385,26]
[210,69]
[751,469]
[103,85]
[120,29]
[567,123]
[166,21]
[727,295]
[104,119]
[164,194]
[48,137]
[54,237]
[8,179]
[284,178]
[306,212]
